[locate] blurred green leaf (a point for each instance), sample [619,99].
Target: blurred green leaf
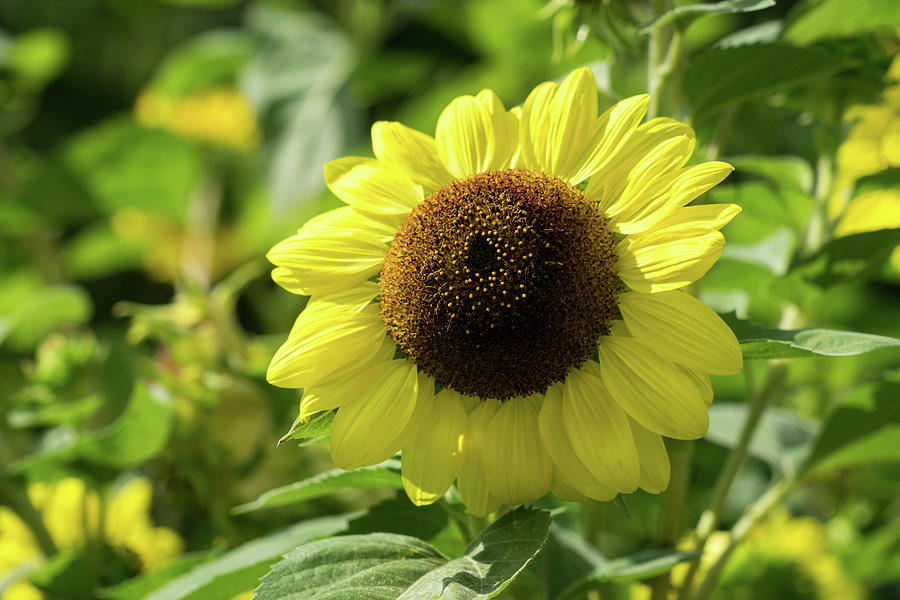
[140,587]
[566,558]
[214,58]
[57,413]
[885,180]
[201,3]
[784,171]
[841,18]
[242,567]
[41,312]
[38,56]
[782,439]
[310,430]
[766,32]
[722,76]
[634,567]
[66,576]
[858,256]
[405,567]
[863,429]
[96,252]
[385,475]
[725,6]
[125,165]
[766,342]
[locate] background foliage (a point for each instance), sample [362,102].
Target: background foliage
[151,152]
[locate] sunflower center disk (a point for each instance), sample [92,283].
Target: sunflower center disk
[498,284]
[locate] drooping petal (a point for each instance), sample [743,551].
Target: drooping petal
[314,261]
[683,329]
[333,333]
[655,467]
[366,432]
[561,134]
[433,459]
[570,470]
[599,431]
[517,467]
[475,135]
[654,391]
[471,481]
[371,186]
[413,151]
[667,259]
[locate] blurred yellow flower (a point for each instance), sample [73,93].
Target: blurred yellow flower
[219,116]
[72,515]
[872,146]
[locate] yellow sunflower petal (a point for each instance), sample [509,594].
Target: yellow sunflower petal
[371,186]
[682,329]
[654,391]
[561,134]
[561,488]
[346,218]
[474,135]
[655,467]
[413,151]
[571,474]
[599,431]
[331,334]
[517,467]
[366,432]
[667,259]
[471,481]
[433,460]
[318,262]
[701,384]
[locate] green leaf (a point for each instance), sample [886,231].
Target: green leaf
[634,567]
[310,430]
[566,558]
[784,171]
[766,32]
[726,6]
[385,475]
[863,429]
[885,180]
[57,413]
[41,312]
[842,18]
[782,439]
[388,566]
[242,567]
[140,587]
[214,58]
[137,435]
[201,3]
[722,76]
[853,257]
[39,55]
[758,341]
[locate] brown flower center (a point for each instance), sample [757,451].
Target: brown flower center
[498,284]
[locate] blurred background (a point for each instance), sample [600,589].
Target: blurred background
[152,151]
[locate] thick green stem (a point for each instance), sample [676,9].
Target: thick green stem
[671,519]
[20,504]
[757,511]
[711,517]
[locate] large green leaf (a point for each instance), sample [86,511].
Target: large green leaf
[863,429]
[140,587]
[725,6]
[386,566]
[782,439]
[385,475]
[842,18]
[137,435]
[758,341]
[242,567]
[723,76]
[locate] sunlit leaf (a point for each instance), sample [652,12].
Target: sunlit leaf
[863,429]
[242,567]
[43,311]
[853,257]
[385,475]
[725,6]
[140,587]
[311,429]
[722,76]
[38,56]
[842,18]
[389,566]
[783,171]
[212,59]
[758,341]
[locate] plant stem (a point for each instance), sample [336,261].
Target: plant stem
[758,510]
[18,500]
[671,518]
[655,59]
[710,518]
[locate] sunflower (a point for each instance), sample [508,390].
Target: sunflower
[502,302]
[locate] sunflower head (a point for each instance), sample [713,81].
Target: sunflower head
[501,301]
